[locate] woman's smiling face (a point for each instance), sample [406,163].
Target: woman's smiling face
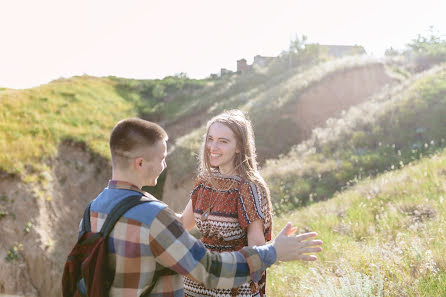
[221,146]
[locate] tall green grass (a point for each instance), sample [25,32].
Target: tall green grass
[383,237]
[398,126]
[35,121]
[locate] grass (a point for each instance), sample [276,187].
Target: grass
[34,122]
[383,237]
[396,127]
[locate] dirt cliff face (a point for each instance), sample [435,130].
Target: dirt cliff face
[319,102]
[43,228]
[334,94]
[19,207]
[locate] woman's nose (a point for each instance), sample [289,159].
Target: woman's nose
[212,145]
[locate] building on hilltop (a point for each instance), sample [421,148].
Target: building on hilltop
[337,51]
[242,66]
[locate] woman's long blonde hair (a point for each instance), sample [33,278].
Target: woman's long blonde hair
[245,161]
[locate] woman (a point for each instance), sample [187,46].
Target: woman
[230,202]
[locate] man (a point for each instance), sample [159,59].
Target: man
[149,238]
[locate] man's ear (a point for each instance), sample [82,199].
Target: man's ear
[137,163]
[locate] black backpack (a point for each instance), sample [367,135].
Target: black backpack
[85,272]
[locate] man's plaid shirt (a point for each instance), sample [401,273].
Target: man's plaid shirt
[148,238]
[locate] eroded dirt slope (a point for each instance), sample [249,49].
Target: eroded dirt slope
[53,219]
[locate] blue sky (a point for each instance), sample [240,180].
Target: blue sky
[48,39]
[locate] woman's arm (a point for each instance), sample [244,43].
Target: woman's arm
[255,233]
[187,217]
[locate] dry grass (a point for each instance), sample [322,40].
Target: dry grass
[383,237]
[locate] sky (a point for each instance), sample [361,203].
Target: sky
[145,39]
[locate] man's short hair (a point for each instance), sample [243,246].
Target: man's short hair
[130,136]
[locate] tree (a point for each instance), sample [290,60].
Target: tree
[297,45]
[428,50]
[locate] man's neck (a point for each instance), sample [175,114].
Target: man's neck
[119,176]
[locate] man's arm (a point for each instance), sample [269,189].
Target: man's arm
[174,248]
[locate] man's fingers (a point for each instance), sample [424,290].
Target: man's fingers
[300,247]
[291,231]
[310,243]
[307,258]
[305,236]
[285,230]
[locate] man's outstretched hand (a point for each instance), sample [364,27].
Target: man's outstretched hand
[291,247]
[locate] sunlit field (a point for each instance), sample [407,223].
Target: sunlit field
[383,237]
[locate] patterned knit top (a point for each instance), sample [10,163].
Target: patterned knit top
[223,209]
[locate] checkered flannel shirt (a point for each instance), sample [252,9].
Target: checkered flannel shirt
[148,238]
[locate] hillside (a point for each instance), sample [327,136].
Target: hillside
[35,121]
[299,103]
[54,152]
[54,159]
[395,127]
[382,237]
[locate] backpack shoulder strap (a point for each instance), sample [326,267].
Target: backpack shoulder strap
[86,227]
[119,210]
